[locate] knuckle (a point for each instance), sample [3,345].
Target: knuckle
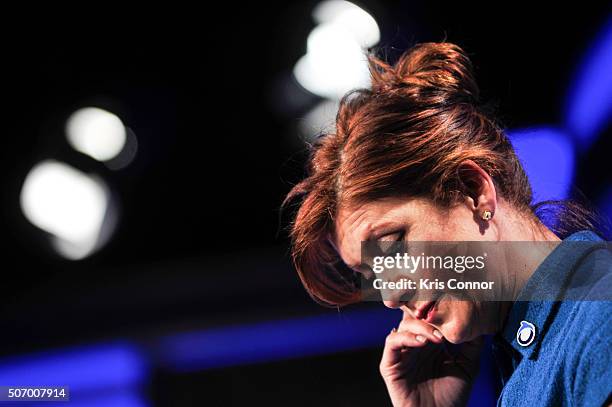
[384,369]
[411,326]
[384,372]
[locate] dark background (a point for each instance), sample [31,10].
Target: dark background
[210,98]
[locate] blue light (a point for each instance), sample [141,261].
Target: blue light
[296,338]
[113,397]
[589,103]
[547,154]
[131,398]
[123,398]
[83,369]
[274,340]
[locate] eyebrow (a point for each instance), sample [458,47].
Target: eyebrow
[371,227]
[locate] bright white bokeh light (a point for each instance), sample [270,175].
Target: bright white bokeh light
[67,203]
[96,132]
[73,250]
[350,17]
[335,61]
[319,120]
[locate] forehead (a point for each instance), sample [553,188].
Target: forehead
[357,223]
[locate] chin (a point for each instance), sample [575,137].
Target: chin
[457,329]
[453,333]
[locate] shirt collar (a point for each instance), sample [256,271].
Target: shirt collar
[560,262]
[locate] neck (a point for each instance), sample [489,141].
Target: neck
[525,258]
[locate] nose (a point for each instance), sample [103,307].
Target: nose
[393,304]
[395,298]
[399,304]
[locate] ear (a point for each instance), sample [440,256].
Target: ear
[478,187]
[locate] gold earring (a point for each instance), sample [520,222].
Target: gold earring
[487,215]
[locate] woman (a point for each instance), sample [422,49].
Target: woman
[417,158]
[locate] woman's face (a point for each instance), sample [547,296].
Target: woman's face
[416,220]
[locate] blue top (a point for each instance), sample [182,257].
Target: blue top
[564,357]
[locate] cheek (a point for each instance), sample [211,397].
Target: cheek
[461,226]
[458,325]
[433,225]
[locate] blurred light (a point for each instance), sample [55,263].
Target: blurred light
[288,339]
[335,61]
[333,65]
[114,398]
[67,203]
[547,155]
[277,340]
[96,132]
[589,103]
[320,120]
[127,154]
[356,21]
[84,370]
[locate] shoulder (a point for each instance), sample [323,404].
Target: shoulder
[591,279]
[589,331]
[592,384]
[583,326]
[587,304]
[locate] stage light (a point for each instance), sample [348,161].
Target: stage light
[356,21]
[67,203]
[84,369]
[96,375]
[276,340]
[319,120]
[589,102]
[116,398]
[547,154]
[96,132]
[127,154]
[335,61]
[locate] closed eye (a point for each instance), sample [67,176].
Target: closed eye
[386,243]
[392,237]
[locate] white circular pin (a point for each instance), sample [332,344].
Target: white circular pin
[526,333]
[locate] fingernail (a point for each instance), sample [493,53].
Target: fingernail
[393,330]
[420,338]
[438,334]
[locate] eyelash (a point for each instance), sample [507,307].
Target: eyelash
[400,234]
[388,246]
[399,238]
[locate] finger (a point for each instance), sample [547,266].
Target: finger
[418,327]
[395,343]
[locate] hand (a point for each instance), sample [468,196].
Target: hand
[421,369]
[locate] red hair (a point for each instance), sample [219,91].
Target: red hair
[406,136]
